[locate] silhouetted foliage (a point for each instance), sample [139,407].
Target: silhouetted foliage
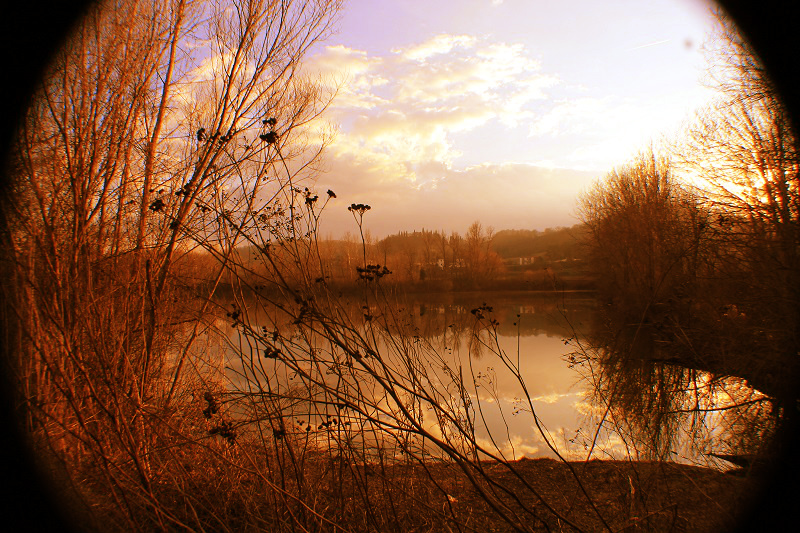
[699,282]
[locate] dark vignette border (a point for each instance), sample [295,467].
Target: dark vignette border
[31,30]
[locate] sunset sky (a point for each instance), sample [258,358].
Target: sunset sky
[500,110]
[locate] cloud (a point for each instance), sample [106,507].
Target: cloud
[407,117]
[491,71]
[353,73]
[398,113]
[441,44]
[553,397]
[570,116]
[516,447]
[609,129]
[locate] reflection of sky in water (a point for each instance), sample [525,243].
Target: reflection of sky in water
[557,395]
[532,332]
[550,384]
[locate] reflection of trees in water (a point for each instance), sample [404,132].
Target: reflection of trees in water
[447,321]
[663,410]
[706,272]
[518,314]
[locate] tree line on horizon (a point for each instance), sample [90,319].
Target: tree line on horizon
[476,260]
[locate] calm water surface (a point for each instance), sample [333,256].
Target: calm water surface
[535,332]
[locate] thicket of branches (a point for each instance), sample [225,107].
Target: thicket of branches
[696,253]
[145,140]
[167,129]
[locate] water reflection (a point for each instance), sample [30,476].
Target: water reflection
[510,370]
[663,410]
[549,372]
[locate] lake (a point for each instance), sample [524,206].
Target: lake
[517,362]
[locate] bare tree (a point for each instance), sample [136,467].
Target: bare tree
[702,277]
[744,151]
[140,145]
[643,229]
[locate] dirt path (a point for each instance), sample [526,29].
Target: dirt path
[625,496]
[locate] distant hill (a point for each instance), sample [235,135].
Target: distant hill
[553,243]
